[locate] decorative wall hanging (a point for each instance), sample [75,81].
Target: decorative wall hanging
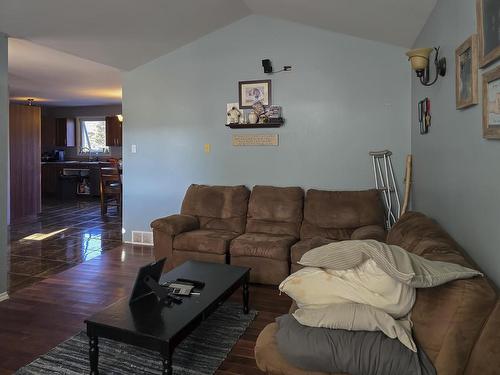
[491,104]
[466,61]
[424,115]
[255,140]
[488,24]
[251,92]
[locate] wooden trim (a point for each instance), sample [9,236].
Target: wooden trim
[470,43]
[487,59]
[489,132]
[269,94]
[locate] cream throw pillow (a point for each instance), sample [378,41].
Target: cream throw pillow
[356,317]
[367,284]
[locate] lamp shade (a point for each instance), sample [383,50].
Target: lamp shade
[419,58]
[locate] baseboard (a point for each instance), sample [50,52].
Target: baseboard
[4,296]
[138,243]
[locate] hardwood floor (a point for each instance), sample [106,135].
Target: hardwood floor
[65,234]
[39,317]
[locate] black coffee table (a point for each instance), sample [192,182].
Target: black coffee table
[154,326]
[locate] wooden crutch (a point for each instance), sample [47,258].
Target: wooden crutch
[408,182]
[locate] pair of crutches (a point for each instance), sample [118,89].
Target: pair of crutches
[386,183]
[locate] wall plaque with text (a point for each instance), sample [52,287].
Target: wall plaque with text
[255,139]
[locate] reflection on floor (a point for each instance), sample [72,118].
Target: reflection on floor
[64,235]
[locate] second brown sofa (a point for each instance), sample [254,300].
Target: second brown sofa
[268,229]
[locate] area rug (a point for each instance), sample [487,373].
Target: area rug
[200,353]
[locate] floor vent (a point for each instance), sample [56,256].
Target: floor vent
[142,238]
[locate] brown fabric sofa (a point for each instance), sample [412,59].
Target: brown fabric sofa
[273,224]
[337,216]
[457,324]
[211,216]
[214,224]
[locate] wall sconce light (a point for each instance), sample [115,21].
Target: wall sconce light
[120,117]
[419,59]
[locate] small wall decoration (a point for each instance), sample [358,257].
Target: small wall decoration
[466,61]
[491,104]
[255,140]
[234,115]
[488,24]
[251,92]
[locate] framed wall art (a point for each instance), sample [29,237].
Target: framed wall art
[251,92]
[488,24]
[491,104]
[466,61]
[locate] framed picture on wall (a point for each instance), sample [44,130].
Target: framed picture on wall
[251,92]
[466,61]
[488,24]
[491,104]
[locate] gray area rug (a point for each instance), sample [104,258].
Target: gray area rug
[202,352]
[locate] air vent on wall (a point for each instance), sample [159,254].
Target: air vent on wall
[142,238]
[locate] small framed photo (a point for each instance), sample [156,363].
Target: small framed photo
[488,24]
[251,92]
[466,61]
[491,104]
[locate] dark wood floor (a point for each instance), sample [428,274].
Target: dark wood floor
[65,234]
[38,317]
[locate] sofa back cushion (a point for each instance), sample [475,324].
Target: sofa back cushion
[275,210]
[447,319]
[336,214]
[217,207]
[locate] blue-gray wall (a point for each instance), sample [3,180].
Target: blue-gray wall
[345,97]
[457,172]
[4,160]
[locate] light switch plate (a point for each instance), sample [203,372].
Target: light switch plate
[207,148]
[133,149]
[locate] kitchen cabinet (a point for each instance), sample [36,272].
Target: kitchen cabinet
[65,132]
[48,130]
[113,132]
[50,178]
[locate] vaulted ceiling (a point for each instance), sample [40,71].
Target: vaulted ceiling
[124,34]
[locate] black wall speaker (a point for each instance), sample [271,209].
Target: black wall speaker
[268,67]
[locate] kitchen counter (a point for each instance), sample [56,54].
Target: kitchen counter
[52,170]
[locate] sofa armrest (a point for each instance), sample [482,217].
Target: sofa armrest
[175,224]
[369,232]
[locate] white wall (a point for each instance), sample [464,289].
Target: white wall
[4,160]
[345,97]
[457,172]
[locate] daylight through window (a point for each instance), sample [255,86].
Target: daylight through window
[93,135]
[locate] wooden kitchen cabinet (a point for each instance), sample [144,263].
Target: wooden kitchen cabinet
[50,178]
[113,131]
[65,132]
[48,131]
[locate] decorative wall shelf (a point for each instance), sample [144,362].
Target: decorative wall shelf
[274,124]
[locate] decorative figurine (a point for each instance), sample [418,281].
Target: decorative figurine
[234,115]
[253,118]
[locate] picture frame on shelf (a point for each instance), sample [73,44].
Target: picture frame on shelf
[488,24]
[466,76]
[250,92]
[491,104]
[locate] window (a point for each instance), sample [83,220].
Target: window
[93,135]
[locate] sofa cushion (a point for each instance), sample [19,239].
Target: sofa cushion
[204,240]
[274,246]
[327,211]
[217,207]
[275,210]
[303,246]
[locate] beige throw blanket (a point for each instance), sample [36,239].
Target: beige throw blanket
[406,267]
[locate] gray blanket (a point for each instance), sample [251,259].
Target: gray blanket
[398,263]
[350,352]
